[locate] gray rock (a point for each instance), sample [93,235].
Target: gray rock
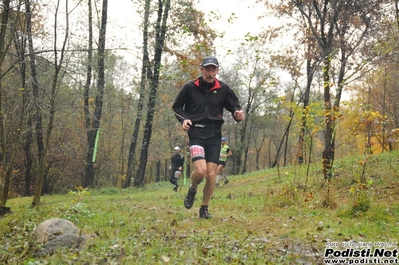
[57,233]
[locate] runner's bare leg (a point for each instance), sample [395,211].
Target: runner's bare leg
[204,170]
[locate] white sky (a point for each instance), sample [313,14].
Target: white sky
[121,27]
[245,13]
[122,16]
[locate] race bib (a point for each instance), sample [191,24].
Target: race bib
[197,151]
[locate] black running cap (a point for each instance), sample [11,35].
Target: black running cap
[210,60]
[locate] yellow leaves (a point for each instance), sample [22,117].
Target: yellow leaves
[316,129]
[91,102]
[370,117]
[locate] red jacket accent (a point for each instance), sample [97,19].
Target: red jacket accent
[215,86]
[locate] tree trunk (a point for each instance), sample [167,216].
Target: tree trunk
[20,42]
[286,132]
[29,158]
[258,149]
[158,171]
[36,97]
[58,61]
[310,70]
[144,74]
[242,144]
[329,140]
[397,12]
[89,156]
[5,180]
[94,131]
[163,12]
[244,156]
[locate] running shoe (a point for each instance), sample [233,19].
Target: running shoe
[203,212]
[189,200]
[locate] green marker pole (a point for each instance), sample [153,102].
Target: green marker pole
[184,173]
[95,145]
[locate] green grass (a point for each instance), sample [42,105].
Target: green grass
[275,216]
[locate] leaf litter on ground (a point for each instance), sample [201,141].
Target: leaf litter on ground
[263,217]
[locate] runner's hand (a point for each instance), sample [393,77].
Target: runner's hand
[239,115]
[186,124]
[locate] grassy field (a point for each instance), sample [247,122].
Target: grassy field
[276,216]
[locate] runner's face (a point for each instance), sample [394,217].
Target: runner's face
[209,73]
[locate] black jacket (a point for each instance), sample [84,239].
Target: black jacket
[177,161]
[203,104]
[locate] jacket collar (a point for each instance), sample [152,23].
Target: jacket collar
[216,85]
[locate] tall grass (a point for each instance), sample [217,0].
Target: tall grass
[266,217]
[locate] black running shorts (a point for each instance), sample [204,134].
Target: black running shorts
[208,149]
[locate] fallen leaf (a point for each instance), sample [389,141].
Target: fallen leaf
[174,223]
[165,259]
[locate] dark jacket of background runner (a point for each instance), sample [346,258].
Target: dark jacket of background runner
[177,161]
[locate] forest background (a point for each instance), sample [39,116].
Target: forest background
[75,112]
